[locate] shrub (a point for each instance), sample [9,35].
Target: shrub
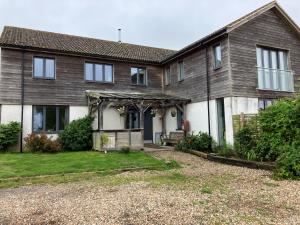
[41,143]
[225,150]
[245,142]
[77,135]
[279,126]
[9,135]
[125,149]
[104,140]
[288,164]
[200,142]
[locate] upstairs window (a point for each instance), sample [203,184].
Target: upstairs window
[43,68]
[180,71]
[167,76]
[50,118]
[138,76]
[273,72]
[217,56]
[95,72]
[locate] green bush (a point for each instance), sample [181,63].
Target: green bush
[200,142]
[9,135]
[288,164]
[245,142]
[279,126]
[77,136]
[41,143]
[225,150]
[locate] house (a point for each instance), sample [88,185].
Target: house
[137,93]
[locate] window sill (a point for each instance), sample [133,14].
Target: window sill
[98,82]
[47,132]
[217,68]
[181,80]
[274,90]
[139,85]
[44,78]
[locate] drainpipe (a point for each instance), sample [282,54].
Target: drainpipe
[208,94]
[22,102]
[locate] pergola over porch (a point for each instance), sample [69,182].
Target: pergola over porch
[98,101]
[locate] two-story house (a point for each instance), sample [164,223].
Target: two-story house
[137,92]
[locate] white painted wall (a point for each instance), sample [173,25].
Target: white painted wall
[112,119]
[27,120]
[171,122]
[196,114]
[10,113]
[236,106]
[77,112]
[157,125]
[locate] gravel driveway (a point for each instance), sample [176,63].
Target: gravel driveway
[201,192]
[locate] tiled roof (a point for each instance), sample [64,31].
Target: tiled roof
[42,40]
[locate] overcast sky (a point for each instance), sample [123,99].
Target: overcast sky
[161,23]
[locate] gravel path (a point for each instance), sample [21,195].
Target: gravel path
[201,192]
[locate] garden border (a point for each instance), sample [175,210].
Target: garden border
[232,161]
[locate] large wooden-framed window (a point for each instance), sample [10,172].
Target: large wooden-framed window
[217,52]
[49,119]
[44,67]
[138,76]
[273,70]
[96,72]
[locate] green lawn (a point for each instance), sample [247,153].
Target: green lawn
[13,165]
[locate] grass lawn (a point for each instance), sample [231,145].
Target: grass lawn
[16,165]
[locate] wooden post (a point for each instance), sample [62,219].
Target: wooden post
[163,121]
[141,110]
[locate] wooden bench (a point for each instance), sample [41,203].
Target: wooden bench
[173,138]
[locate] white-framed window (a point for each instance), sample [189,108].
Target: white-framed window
[96,72]
[167,76]
[49,118]
[44,67]
[138,76]
[180,71]
[217,56]
[273,70]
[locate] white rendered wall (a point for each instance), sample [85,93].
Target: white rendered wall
[77,112]
[157,126]
[196,114]
[10,113]
[236,106]
[171,122]
[112,119]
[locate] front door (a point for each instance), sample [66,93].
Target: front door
[148,126]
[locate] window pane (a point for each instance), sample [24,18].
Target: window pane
[180,75]
[217,56]
[167,76]
[134,73]
[50,118]
[89,71]
[37,118]
[50,68]
[38,67]
[108,73]
[98,72]
[274,74]
[141,78]
[266,65]
[259,58]
[63,117]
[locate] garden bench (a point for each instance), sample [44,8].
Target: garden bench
[173,138]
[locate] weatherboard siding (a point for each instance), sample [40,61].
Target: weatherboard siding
[69,86]
[268,29]
[194,85]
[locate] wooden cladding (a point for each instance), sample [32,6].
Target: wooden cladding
[69,86]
